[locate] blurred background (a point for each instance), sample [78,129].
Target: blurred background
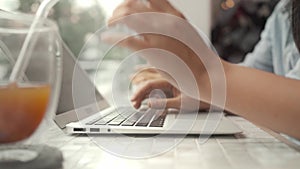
[237,25]
[233,26]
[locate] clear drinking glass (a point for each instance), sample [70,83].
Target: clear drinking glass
[27,100]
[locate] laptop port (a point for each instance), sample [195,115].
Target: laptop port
[79,129]
[94,130]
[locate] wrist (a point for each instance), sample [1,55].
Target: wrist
[213,78]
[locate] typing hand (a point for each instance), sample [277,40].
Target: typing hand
[173,97]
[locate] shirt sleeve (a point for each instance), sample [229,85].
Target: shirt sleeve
[294,72]
[261,57]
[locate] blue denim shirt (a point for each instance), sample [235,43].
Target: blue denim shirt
[277,52]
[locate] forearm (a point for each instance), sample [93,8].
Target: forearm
[264,98]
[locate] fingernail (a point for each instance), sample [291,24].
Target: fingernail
[149,104]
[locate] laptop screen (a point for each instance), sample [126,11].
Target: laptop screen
[78,93]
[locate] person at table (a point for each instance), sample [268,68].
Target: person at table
[267,56]
[266,93]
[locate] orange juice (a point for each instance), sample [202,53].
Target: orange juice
[21,110]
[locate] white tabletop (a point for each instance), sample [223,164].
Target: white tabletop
[254,148]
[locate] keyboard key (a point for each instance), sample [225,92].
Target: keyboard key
[133,119]
[128,123]
[117,121]
[145,120]
[158,121]
[92,121]
[106,119]
[126,112]
[101,122]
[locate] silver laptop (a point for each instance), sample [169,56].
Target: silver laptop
[93,115]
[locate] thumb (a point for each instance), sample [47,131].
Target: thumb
[164,103]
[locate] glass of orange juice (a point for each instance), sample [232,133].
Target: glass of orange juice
[25,101]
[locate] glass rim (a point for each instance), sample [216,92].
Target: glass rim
[27,19]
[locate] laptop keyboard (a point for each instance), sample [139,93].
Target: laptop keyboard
[129,117]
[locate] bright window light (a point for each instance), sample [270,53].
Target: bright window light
[84,3]
[9,5]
